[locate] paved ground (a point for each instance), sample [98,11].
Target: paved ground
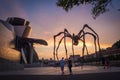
[54,73]
[56,70]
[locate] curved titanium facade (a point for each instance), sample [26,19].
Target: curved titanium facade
[14,42]
[6,42]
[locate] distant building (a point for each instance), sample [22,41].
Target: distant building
[74,57]
[92,55]
[105,53]
[111,51]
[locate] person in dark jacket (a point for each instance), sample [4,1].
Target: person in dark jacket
[70,65]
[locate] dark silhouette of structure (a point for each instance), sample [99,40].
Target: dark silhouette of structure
[75,40]
[23,43]
[19,30]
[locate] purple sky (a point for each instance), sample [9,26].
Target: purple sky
[46,20]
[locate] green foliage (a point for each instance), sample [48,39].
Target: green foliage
[99,6]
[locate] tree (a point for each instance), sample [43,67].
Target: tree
[99,6]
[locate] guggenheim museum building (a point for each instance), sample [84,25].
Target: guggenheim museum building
[15,44]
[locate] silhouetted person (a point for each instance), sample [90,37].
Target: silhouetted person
[62,64]
[70,65]
[103,62]
[107,63]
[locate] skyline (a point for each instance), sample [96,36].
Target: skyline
[46,20]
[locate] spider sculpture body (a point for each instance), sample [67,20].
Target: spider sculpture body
[75,40]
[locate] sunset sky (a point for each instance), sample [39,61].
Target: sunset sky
[46,20]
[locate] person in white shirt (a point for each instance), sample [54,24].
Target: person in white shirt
[62,64]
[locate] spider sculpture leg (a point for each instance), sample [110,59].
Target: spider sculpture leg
[84,40]
[58,48]
[82,33]
[65,45]
[95,34]
[97,37]
[73,49]
[55,51]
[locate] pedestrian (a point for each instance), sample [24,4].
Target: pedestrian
[62,64]
[103,62]
[107,63]
[70,66]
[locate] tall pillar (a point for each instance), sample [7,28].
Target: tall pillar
[31,53]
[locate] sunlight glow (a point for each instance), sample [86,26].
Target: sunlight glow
[47,20]
[47,52]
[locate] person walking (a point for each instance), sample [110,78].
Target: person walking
[62,64]
[70,66]
[107,63]
[103,62]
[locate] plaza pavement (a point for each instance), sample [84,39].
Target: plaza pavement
[54,73]
[56,70]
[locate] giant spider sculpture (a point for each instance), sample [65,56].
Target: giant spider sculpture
[75,40]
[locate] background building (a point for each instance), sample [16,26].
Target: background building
[74,57]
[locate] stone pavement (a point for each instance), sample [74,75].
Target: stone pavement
[54,73]
[56,70]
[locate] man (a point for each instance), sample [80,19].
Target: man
[62,63]
[103,62]
[70,65]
